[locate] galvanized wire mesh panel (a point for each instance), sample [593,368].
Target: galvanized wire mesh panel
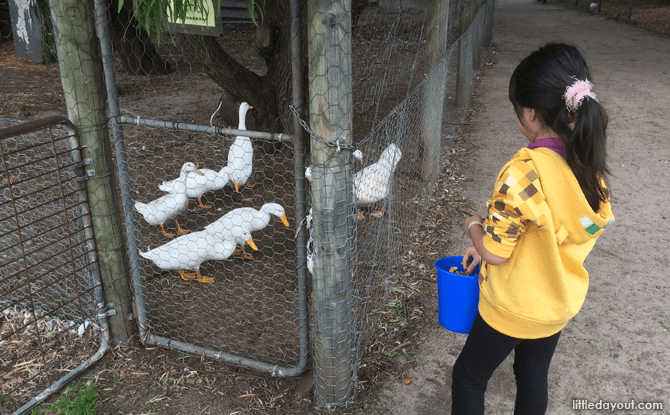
[249,307]
[392,104]
[404,98]
[243,310]
[46,254]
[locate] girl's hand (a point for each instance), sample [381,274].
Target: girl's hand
[471,219]
[470,252]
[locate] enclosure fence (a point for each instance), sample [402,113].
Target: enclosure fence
[389,86]
[410,93]
[54,317]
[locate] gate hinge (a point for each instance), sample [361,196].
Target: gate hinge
[107,311]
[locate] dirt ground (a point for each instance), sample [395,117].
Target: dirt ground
[617,349]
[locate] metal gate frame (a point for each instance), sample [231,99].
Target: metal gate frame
[117,121]
[102,313]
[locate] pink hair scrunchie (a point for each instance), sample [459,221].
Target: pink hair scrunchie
[575,93]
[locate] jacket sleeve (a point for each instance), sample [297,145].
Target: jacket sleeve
[516,203]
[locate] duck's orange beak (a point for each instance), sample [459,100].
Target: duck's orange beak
[251,243]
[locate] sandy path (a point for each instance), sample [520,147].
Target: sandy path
[618,349]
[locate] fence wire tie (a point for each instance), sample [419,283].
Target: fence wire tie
[92,128]
[138,120]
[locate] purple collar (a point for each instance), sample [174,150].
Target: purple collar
[555,144]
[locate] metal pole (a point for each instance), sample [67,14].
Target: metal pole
[105,40]
[181,126]
[299,157]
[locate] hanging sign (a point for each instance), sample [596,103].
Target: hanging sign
[200,22]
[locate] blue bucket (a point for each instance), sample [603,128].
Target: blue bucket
[457,295]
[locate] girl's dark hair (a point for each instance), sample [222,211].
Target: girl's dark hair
[539,83]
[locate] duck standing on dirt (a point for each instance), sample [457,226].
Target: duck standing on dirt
[198,184]
[166,207]
[372,184]
[248,219]
[241,154]
[189,251]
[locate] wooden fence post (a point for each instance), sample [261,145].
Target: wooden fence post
[330,98]
[82,78]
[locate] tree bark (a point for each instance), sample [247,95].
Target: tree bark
[133,44]
[270,94]
[238,81]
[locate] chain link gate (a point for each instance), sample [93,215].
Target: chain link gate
[53,318]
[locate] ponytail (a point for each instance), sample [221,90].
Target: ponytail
[586,152]
[541,82]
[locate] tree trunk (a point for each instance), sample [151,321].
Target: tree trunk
[238,81]
[270,94]
[138,54]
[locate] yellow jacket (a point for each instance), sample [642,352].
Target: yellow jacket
[540,221]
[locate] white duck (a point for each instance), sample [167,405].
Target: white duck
[189,251]
[199,184]
[241,154]
[166,207]
[248,219]
[372,183]
[356,154]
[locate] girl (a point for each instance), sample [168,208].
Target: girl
[550,204]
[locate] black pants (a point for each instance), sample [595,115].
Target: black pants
[483,352]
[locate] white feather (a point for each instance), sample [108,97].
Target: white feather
[158,211]
[191,250]
[248,219]
[372,183]
[241,153]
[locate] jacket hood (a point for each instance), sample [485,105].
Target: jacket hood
[573,218]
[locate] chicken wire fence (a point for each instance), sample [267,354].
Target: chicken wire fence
[410,93]
[171,121]
[49,285]
[220,276]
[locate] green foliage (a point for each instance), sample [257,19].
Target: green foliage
[80,399]
[251,6]
[150,13]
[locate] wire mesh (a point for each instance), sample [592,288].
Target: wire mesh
[389,106]
[406,104]
[249,307]
[47,302]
